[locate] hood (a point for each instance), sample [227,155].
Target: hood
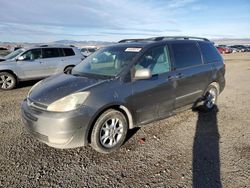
[61,85]
[7,61]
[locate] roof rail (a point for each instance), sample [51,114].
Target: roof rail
[131,40]
[178,37]
[164,38]
[55,45]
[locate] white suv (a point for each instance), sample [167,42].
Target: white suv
[38,62]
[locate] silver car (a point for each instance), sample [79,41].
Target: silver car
[11,56]
[87,51]
[38,62]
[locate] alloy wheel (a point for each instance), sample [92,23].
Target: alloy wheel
[111,132]
[6,82]
[211,98]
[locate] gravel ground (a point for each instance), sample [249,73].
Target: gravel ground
[190,149]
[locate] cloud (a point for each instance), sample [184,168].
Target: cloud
[56,17]
[180,3]
[79,19]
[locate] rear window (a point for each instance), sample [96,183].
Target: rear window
[209,52]
[186,55]
[50,52]
[68,51]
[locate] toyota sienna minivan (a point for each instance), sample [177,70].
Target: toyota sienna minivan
[121,87]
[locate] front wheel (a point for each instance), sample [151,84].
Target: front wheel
[7,81]
[109,131]
[68,70]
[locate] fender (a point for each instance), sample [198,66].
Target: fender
[129,115]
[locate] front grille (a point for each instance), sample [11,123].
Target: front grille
[36,105]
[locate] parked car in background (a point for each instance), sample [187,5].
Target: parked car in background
[3,48]
[234,49]
[87,51]
[240,48]
[3,51]
[11,56]
[248,48]
[224,49]
[121,87]
[38,62]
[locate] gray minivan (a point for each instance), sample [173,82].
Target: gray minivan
[121,87]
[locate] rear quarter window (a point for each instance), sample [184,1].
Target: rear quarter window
[209,52]
[68,51]
[186,54]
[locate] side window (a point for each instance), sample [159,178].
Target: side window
[186,54]
[209,52]
[50,52]
[84,50]
[92,50]
[68,51]
[155,59]
[32,55]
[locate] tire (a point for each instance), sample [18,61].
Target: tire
[210,97]
[109,131]
[68,69]
[7,81]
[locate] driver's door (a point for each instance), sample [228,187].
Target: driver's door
[31,65]
[153,98]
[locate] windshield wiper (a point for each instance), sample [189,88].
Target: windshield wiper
[91,75]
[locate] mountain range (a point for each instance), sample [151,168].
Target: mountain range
[225,41]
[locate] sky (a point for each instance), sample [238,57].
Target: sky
[113,20]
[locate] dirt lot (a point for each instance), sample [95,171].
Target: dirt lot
[190,149]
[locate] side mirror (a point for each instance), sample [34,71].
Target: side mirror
[94,60]
[143,74]
[20,58]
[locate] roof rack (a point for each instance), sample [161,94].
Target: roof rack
[164,38]
[178,37]
[55,45]
[131,40]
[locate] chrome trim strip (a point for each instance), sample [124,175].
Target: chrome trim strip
[189,94]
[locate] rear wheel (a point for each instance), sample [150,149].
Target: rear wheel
[7,81]
[210,98]
[109,131]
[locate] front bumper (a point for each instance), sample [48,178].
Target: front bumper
[59,130]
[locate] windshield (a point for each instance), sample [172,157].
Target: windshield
[107,61]
[13,54]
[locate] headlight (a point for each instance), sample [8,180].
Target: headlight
[68,103]
[34,87]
